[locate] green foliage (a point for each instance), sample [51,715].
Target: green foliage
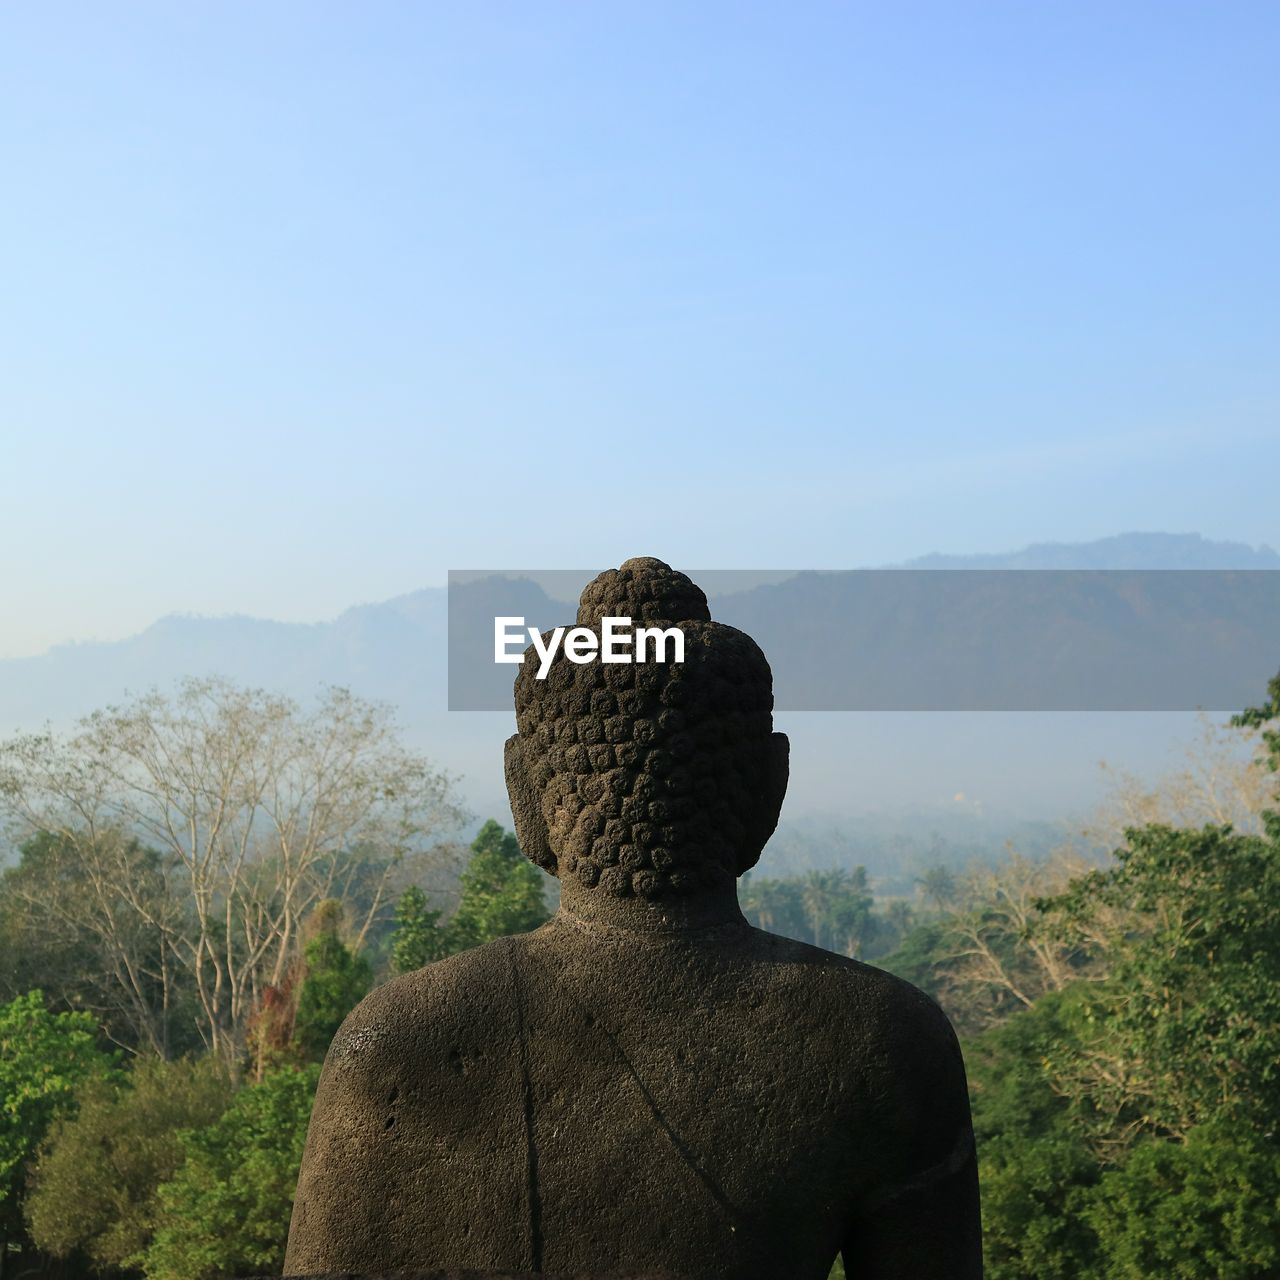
[44,1058]
[85,920]
[839,904]
[775,905]
[940,887]
[501,895]
[501,892]
[419,939]
[1051,1210]
[1186,1026]
[833,909]
[1209,1206]
[44,946]
[1035,1196]
[1264,718]
[918,956]
[337,979]
[226,1211]
[1036,1171]
[1009,1087]
[1128,1125]
[93,1186]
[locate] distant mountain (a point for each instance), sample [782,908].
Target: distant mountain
[1001,639]
[383,651]
[394,651]
[1123,551]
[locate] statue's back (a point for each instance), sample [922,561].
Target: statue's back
[585,1099]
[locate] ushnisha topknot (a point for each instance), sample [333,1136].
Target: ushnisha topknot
[644,590]
[647,773]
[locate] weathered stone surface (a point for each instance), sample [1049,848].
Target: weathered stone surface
[645,1084]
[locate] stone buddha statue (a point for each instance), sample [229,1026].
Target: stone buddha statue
[647,1083]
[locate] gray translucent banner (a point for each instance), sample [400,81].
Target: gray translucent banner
[938,639]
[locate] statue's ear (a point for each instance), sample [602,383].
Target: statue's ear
[526,807]
[778,773]
[777,769]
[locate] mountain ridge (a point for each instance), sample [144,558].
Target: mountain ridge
[1119,551]
[393,651]
[1133,550]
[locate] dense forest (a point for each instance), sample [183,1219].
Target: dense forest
[203,885]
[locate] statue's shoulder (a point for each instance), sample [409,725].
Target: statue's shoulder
[437,1012]
[869,1003]
[891,1048]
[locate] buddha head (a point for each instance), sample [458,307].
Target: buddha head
[648,779]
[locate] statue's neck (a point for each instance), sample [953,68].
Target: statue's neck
[710,907]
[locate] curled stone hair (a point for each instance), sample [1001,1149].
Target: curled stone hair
[649,774]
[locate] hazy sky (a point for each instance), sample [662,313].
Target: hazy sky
[304,304]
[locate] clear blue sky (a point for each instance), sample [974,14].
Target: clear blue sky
[304,304]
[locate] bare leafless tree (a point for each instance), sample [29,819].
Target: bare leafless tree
[1223,780]
[998,953]
[260,809]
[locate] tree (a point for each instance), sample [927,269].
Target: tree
[993,950]
[501,891]
[1128,1118]
[849,914]
[1224,782]
[419,939]
[501,895]
[226,1210]
[336,980]
[41,950]
[837,908]
[44,1058]
[1010,1089]
[94,1182]
[1037,1173]
[1002,956]
[270,1043]
[776,905]
[1185,1027]
[939,887]
[831,908]
[1036,1194]
[1262,720]
[1203,1207]
[258,809]
[90,923]
[920,957]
